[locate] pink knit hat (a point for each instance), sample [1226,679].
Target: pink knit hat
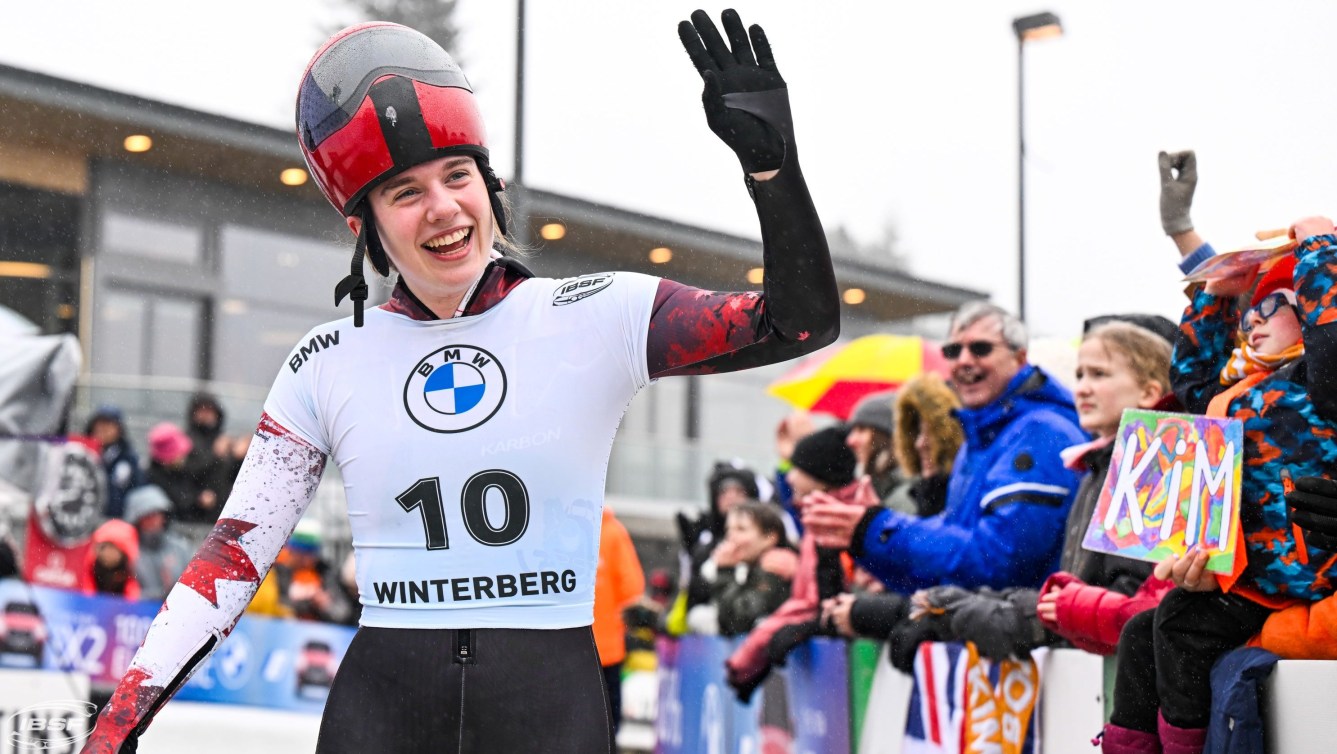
[168,443]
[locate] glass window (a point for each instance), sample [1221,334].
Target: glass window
[293,271]
[175,339]
[150,334]
[252,340]
[122,321]
[155,239]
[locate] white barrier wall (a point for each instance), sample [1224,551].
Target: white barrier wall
[1072,701]
[1072,705]
[888,706]
[201,728]
[43,711]
[47,712]
[1299,706]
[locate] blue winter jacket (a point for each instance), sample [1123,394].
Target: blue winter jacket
[1007,499]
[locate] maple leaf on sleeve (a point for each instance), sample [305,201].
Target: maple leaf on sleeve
[221,558]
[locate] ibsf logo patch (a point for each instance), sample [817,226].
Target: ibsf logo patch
[575,289]
[454,389]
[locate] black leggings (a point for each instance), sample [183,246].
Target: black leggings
[1166,656]
[478,691]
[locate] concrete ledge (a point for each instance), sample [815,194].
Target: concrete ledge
[1298,707]
[201,728]
[1072,701]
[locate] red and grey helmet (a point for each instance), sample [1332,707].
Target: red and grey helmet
[375,100]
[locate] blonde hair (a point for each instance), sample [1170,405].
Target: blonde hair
[1147,354]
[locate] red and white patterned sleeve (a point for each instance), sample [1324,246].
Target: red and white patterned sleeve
[276,483]
[693,331]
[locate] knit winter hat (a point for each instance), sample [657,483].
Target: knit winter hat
[726,472]
[146,499]
[305,538]
[105,413]
[874,411]
[824,456]
[168,443]
[1159,325]
[1281,277]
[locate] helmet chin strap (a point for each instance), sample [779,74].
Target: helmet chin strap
[355,285]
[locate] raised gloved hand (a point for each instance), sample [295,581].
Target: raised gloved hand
[1179,178]
[745,98]
[1312,501]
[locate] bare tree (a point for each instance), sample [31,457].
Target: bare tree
[881,252]
[435,18]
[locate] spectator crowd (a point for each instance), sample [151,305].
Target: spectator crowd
[950,509]
[956,510]
[159,509]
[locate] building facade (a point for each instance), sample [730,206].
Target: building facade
[188,252]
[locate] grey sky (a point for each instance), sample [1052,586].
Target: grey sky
[905,112]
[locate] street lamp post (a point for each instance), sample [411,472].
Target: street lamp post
[519,213]
[1028,29]
[518,175]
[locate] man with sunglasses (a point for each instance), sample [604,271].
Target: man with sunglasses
[1008,494]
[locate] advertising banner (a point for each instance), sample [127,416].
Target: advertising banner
[819,696]
[265,661]
[97,636]
[271,662]
[802,708]
[696,706]
[863,669]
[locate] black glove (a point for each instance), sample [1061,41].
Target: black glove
[904,640]
[1313,507]
[876,614]
[689,530]
[640,615]
[1001,624]
[946,597]
[746,102]
[788,637]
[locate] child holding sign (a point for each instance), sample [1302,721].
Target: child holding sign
[1252,366]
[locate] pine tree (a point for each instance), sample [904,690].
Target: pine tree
[435,18]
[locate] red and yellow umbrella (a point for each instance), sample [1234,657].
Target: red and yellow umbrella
[834,383]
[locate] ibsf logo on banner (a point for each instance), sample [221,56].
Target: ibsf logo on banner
[50,727]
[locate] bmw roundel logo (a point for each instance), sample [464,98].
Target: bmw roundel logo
[454,389]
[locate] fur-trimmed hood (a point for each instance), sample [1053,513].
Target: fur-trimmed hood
[927,401]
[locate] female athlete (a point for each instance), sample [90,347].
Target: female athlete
[475,632]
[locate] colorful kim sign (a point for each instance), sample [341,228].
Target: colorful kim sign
[1174,483]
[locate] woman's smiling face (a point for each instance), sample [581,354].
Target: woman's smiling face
[435,223]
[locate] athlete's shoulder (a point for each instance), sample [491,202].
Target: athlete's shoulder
[339,336]
[615,284]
